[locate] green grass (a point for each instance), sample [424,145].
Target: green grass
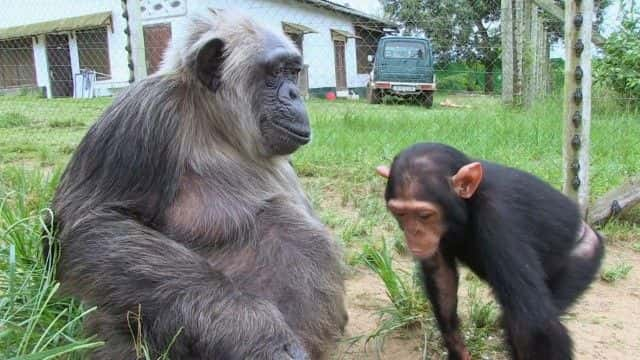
[37,137]
[409,309]
[34,322]
[481,327]
[13,119]
[616,272]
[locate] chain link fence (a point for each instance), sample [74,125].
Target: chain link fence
[380,51]
[423,54]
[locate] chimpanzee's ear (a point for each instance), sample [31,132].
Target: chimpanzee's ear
[467,180]
[209,63]
[383,171]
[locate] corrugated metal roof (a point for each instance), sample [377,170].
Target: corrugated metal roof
[66,24]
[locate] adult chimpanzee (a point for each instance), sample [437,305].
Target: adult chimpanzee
[181,200]
[514,231]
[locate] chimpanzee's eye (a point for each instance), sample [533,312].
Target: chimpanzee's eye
[424,216]
[292,73]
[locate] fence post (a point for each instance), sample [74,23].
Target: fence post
[578,19]
[519,33]
[506,30]
[532,54]
[135,41]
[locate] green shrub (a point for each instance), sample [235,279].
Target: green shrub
[619,69]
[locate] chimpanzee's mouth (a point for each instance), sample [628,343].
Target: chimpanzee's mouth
[302,134]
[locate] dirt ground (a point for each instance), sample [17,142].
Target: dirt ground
[604,324]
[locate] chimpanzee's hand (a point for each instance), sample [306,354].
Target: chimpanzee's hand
[246,327]
[463,355]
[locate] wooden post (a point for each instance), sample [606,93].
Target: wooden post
[540,56]
[551,8]
[547,64]
[135,40]
[532,54]
[577,94]
[615,202]
[518,81]
[506,29]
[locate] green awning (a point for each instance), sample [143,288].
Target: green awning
[297,28]
[66,24]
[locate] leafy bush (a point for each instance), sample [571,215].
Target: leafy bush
[619,69]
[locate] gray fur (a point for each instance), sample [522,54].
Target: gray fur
[171,203]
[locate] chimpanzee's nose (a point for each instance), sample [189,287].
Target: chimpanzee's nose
[288,92]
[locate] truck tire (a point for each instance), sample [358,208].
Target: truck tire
[373,96]
[426,99]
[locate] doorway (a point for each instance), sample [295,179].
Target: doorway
[59,59]
[341,69]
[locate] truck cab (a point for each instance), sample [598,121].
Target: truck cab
[402,66]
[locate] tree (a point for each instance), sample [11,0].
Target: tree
[460,30]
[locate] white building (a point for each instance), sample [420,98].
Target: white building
[46,43]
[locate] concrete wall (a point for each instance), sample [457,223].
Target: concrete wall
[317,47]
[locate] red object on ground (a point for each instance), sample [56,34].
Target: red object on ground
[330,95]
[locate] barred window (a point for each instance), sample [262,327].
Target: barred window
[297,39]
[366,44]
[16,63]
[93,51]
[156,41]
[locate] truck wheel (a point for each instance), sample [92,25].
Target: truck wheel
[427,99]
[373,96]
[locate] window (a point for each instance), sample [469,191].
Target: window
[404,50]
[366,44]
[156,40]
[297,39]
[93,51]
[16,63]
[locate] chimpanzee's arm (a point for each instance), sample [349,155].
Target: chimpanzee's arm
[441,283]
[119,264]
[518,280]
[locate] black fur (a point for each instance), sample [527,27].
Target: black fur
[516,233]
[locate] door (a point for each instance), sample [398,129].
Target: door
[59,59]
[156,40]
[341,69]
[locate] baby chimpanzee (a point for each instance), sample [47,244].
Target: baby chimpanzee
[517,233]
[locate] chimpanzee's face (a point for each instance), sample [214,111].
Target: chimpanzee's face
[284,122]
[422,223]
[421,202]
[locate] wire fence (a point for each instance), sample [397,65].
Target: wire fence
[377,51]
[419,53]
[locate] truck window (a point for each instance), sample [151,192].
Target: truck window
[404,50]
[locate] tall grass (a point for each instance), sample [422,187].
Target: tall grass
[409,309]
[349,140]
[35,323]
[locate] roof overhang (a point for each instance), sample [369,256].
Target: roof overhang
[60,25]
[297,28]
[337,33]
